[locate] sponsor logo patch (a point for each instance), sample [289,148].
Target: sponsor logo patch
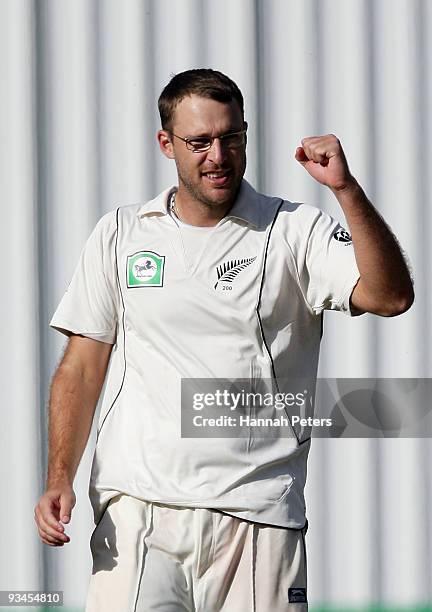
[145,269]
[342,236]
[297,595]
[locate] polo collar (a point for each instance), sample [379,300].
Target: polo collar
[245,208]
[157,206]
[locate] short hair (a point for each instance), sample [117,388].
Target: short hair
[203,82]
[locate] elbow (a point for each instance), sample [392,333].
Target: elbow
[400,304]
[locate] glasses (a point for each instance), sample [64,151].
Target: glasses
[200,144]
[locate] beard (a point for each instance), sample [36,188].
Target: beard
[226,197]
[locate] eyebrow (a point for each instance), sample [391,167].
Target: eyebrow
[204,135]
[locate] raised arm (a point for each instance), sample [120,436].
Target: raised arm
[75,391]
[385,287]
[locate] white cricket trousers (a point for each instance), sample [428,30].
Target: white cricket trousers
[149,557]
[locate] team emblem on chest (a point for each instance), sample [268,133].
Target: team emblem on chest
[228,271]
[145,269]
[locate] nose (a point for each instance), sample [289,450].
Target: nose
[217,152]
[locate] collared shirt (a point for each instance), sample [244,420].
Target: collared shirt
[246,306]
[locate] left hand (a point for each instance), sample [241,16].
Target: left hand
[324,159]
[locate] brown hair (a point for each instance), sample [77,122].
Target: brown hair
[203,82]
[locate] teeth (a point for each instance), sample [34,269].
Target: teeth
[215,174]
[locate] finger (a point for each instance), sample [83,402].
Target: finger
[316,153]
[309,139]
[56,540]
[329,139]
[49,541]
[301,156]
[67,502]
[309,144]
[46,539]
[51,531]
[45,510]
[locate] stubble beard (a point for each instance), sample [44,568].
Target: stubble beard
[199,196]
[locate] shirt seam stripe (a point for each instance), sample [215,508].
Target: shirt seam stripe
[123,326]
[257,308]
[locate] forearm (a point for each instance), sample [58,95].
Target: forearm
[383,270]
[74,394]
[72,405]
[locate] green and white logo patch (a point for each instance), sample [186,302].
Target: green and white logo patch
[145,269]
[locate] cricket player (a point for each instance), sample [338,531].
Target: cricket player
[210,280]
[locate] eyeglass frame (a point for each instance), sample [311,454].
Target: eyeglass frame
[188,140]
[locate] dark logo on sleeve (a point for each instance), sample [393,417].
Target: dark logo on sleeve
[297,595]
[227,271]
[342,236]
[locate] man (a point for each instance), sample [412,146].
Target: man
[209,280]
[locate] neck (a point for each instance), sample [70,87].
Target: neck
[192,211]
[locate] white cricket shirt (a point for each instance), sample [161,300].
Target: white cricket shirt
[248,305]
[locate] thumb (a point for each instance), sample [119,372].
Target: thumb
[301,156]
[67,502]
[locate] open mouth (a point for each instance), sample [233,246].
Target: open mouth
[218,178]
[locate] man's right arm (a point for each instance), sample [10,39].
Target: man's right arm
[75,391]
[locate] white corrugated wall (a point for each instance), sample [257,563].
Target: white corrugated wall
[78,116]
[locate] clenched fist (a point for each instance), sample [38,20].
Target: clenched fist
[324,159]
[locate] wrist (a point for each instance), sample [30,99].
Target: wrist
[351,186]
[54,481]
[352,198]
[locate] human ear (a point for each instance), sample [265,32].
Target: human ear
[165,143]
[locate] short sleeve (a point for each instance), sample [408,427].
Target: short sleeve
[90,305]
[331,266]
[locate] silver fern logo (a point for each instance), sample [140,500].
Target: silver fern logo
[228,271]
